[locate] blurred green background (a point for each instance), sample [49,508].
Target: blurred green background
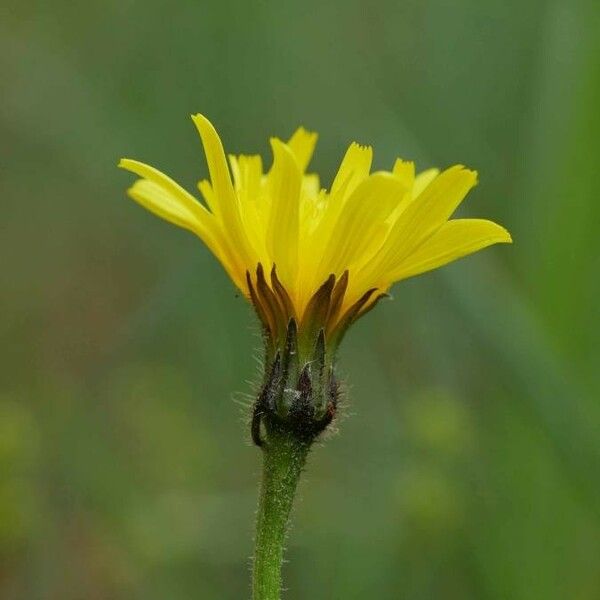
[467,464]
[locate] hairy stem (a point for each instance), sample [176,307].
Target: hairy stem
[284,456]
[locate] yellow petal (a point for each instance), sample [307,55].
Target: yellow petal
[355,166]
[434,205]
[364,213]
[405,171]
[223,201]
[248,176]
[423,179]
[205,188]
[165,182]
[285,179]
[302,144]
[455,239]
[164,204]
[354,169]
[247,171]
[217,165]
[422,217]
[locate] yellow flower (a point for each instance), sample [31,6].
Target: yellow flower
[320,256]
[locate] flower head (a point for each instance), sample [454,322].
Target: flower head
[313,260]
[322,257]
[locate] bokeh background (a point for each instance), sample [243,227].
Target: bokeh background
[467,461]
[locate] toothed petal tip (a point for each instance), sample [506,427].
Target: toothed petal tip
[363,147]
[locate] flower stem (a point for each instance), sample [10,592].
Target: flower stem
[284,456]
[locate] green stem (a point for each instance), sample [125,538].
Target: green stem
[284,457]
